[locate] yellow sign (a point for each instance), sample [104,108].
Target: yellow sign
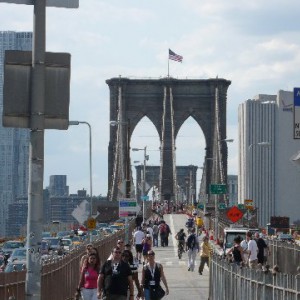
[91,223]
[248,204]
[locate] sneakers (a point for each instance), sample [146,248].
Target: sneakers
[200,273]
[189,269]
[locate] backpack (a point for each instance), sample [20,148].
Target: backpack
[180,236]
[191,241]
[163,228]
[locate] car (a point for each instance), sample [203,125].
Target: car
[19,265]
[18,254]
[45,247]
[285,237]
[67,244]
[10,246]
[63,234]
[77,241]
[55,244]
[102,225]
[46,234]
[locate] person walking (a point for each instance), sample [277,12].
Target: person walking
[167,235]
[205,254]
[192,248]
[88,250]
[155,234]
[115,279]
[147,245]
[262,249]
[152,274]
[138,237]
[252,251]
[134,264]
[162,233]
[237,251]
[88,277]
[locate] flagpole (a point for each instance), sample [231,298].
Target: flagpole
[168,63]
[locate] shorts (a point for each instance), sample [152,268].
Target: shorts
[139,248]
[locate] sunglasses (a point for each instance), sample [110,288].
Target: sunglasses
[151,254]
[120,242]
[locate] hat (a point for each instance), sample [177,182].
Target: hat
[148,235]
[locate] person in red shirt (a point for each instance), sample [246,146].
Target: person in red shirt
[88,278]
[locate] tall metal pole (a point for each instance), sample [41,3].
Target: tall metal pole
[90,160]
[144,181]
[36,155]
[128,177]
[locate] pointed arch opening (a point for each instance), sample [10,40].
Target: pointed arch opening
[144,135]
[190,150]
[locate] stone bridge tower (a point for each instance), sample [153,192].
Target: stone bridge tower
[167,102]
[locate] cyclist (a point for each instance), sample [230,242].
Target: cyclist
[180,237]
[190,224]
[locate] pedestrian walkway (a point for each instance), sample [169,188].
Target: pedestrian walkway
[182,283]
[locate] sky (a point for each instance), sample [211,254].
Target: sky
[254,44]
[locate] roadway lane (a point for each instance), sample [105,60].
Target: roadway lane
[182,283]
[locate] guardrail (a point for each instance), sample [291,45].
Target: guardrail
[229,281]
[60,276]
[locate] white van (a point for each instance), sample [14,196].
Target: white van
[230,233]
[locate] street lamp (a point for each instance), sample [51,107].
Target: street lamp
[90,156]
[146,157]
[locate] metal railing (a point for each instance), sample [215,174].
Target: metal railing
[60,276]
[229,281]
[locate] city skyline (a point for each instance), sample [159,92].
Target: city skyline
[255,45]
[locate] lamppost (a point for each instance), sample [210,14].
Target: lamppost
[146,157]
[90,159]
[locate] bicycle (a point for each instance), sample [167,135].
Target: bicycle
[180,249]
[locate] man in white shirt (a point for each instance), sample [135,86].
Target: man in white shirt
[138,237]
[244,245]
[252,250]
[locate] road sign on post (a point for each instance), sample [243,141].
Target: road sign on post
[248,204]
[218,189]
[127,208]
[234,214]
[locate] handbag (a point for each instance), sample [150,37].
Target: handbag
[157,292]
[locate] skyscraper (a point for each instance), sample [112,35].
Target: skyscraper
[266,148]
[14,142]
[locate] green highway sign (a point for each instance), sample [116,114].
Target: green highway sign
[222,206]
[200,206]
[218,189]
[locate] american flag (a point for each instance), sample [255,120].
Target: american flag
[174,56]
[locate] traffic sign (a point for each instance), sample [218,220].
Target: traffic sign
[222,206]
[91,223]
[200,206]
[234,214]
[144,198]
[240,206]
[218,189]
[55,3]
[127,208]
[248,203]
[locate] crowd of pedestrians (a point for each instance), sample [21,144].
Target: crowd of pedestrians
[253,251]
[115,278]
